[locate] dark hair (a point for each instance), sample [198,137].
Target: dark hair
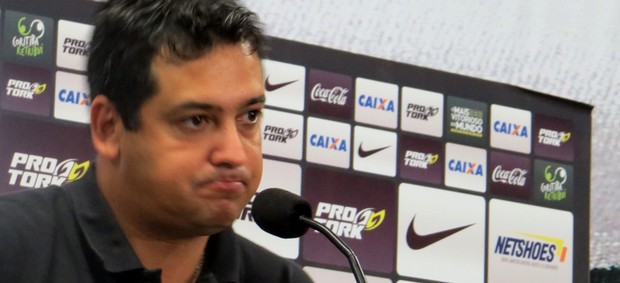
[130,33]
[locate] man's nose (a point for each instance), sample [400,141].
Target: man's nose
[229,149]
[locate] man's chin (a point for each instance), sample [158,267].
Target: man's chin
[215,226]
[211,229]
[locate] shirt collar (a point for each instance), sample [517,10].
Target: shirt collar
[99,226]
[223,258]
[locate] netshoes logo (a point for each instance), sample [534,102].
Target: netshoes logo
[465,167]
[417,159]
[73,97]
[329,143]
[511,129]
[421,112]
[552,138]
[531,247]
[466,121]
[279,134]
[553,187]
[33,171]
[27,42]
[347,221]
[24,89]
[377,103]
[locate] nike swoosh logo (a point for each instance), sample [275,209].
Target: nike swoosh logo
[365,153]
[271,87]
[418,242]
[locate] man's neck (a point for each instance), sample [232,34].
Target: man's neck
[178,260]
[176,254]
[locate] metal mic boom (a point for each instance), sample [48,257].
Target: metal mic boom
[287,215]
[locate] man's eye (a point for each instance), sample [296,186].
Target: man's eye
[195,121]
[252,116]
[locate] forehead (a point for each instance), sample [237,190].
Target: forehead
[227,70]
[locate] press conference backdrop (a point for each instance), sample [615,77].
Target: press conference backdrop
[428,176]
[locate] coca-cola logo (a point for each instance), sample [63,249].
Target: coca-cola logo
[515,177]
[336,95]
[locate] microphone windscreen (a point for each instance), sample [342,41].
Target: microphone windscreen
[277,211]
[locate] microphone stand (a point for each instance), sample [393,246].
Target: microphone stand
[356,267]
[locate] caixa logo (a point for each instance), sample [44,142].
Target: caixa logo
[329,143]
[376,103]
[73,97]
[465,167]
[34,171]
[511,129]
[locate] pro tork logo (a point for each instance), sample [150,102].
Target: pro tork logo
[34,171]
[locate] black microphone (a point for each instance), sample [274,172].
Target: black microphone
[277,212]
[287,215]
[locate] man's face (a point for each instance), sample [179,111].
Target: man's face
[196,161]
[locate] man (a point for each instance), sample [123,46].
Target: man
[175,120]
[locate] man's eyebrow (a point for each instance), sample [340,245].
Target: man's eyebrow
[257,100]
[192,105]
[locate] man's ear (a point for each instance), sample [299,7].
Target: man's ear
[106,127]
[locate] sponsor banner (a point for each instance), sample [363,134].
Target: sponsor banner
[328,142]
[71,101]
[376,103]
[421,159]
[330,94]
[440,231]
[26,90]
[281,175]
[73,45]
[532,243]
[466,167]
[422,112]
[553,184]
[284,85]
[510,175]
[283,134]
[511,128]
[375,151]
[328,275]
[28,39]
[27,161]
[360,210]
[466,121]
[553,138]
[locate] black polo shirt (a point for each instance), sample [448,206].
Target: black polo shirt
[68,234]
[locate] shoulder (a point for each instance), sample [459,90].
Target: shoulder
[27,206]
[27,225]
[260,259]
[258,264]
[31,213]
